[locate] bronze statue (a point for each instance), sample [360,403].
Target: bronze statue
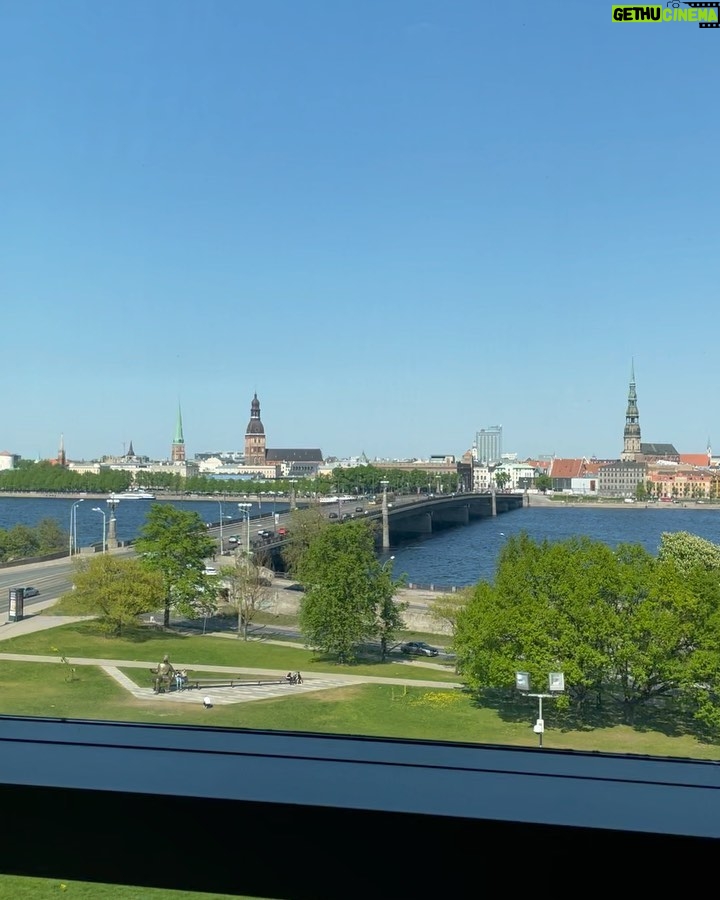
[163,674]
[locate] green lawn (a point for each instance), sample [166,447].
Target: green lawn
[142,644]
[395,711]
[14,887]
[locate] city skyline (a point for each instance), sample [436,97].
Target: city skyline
[398,224]
[494,433]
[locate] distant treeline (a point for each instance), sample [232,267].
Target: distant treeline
[46,477]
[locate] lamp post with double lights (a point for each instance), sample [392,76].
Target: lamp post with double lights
[245,511]
[556,685]
[385,516]
[73,526]
[102,513]
[222,543]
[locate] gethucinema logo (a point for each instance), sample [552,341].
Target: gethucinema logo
[707,15]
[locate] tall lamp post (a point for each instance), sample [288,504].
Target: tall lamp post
[73,526]
[102,513]
[222,545]
[556,685]
[385,516]
[245,511]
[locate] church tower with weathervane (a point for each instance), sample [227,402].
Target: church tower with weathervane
[177,451]
[631,434]
[255,436]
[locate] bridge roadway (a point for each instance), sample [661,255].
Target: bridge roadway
[407,517]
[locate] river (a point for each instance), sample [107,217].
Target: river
[456,557]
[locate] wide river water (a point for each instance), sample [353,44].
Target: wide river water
[459,556]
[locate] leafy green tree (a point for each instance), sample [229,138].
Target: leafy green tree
[543,483]
[114,589]
[624,627]
[689,551]
[175,543]
[446,608]
[304,526]
[388,611]
[501,479]
[348,593]
[50,537]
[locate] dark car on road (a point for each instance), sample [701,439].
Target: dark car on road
[418,648]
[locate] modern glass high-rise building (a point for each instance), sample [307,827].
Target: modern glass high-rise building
[488,444]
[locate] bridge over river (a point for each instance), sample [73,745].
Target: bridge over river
[424,515]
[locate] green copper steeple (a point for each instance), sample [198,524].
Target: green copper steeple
[177,452]
[179,439]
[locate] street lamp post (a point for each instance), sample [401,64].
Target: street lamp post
[73,526]
[222,545]
[245,511]
[556,685]
[102,513]
[385,516]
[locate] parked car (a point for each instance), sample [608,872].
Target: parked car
[358,509]
[332,515]
[30,592]
[418,648]
[282,532]
[210,570]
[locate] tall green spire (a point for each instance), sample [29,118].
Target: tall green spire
[179,439]
[177,451]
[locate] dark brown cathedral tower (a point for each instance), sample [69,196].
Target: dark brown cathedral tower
[255,437]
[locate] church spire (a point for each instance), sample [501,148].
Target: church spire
[631,434]
[61,458]
[177,451]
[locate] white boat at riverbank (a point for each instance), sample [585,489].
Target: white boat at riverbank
[130,495]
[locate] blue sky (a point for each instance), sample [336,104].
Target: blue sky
[399,222]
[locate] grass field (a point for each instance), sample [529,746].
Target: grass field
[17,888]
[393,710]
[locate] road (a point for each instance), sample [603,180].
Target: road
[51,578]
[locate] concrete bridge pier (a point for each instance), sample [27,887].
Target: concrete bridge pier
[419,524]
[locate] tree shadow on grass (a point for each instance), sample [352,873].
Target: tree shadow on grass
[666,718]
[133,634]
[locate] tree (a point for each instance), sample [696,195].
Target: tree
[689,551]
[114,589]
[501,479]
[446,608]
[305,525]
[348,596]
[388,611]
[624,627]
[248,591]
[543,483]
[175,543]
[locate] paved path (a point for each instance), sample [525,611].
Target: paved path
[316,681]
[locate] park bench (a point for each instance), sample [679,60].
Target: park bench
[168,683]
[198,682]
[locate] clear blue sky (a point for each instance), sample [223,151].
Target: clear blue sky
[399,222]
